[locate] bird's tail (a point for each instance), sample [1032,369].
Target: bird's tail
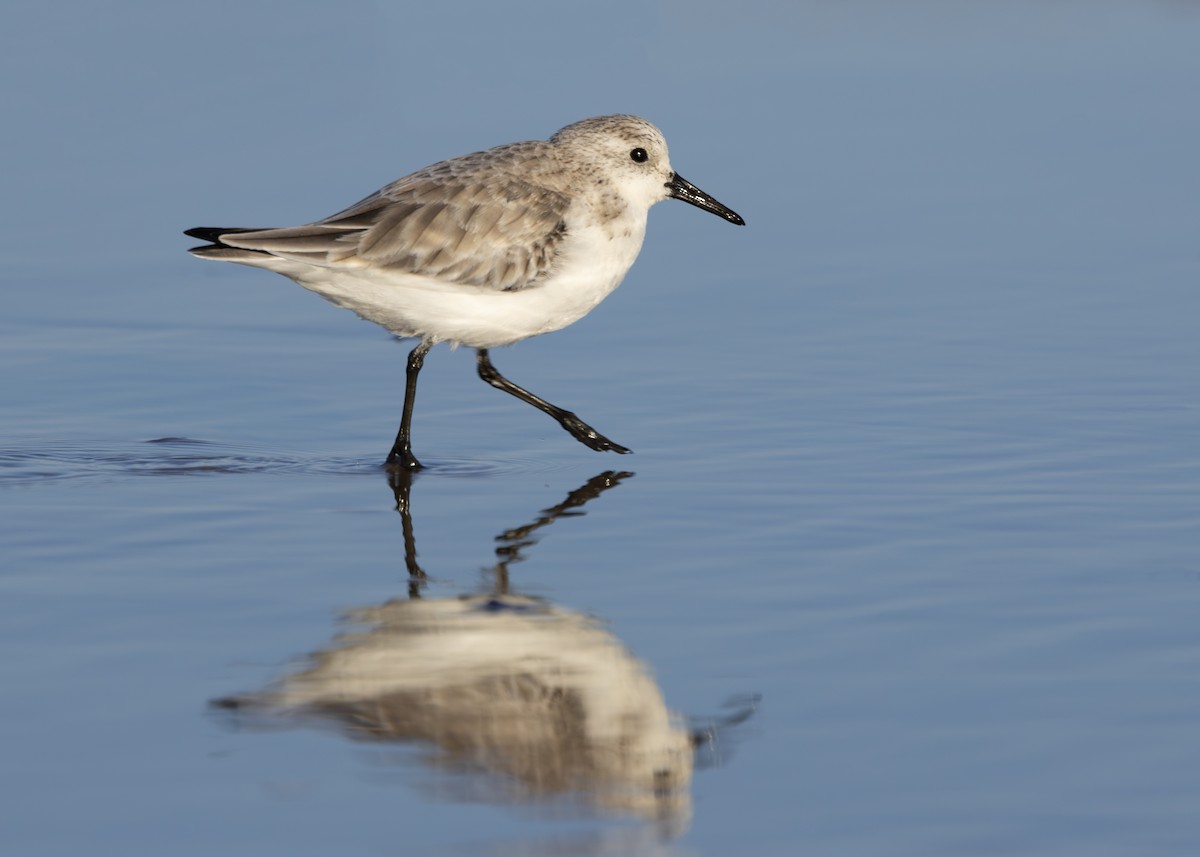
[218,249]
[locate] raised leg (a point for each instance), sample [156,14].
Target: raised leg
[574,426]
[401,455]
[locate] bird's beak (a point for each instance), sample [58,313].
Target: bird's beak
[680,188]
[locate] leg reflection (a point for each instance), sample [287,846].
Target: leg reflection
[522,699]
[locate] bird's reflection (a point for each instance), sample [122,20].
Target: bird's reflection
[535,701]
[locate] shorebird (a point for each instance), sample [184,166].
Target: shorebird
[484,250]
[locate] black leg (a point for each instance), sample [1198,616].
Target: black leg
[401,454]
[574,426]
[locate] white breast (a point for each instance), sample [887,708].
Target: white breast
[594,260]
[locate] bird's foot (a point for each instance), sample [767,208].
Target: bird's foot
[402,459]
[588,436]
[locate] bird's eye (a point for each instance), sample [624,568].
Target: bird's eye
[639,155]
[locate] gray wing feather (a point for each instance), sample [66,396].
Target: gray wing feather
[467,221]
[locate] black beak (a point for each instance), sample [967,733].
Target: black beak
[681,188]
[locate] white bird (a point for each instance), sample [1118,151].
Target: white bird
[544,698]
[484,250]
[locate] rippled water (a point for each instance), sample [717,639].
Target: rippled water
[905,560]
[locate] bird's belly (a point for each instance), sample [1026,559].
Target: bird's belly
[411,305]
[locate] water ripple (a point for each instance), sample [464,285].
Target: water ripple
[40,461]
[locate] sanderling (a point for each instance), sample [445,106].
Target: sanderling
[484,250]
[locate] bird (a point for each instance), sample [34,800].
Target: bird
[483,250]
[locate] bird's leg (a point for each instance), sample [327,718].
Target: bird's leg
[401,455]
[574,426]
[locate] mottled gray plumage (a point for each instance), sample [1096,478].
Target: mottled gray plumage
[486,249]
[492,219]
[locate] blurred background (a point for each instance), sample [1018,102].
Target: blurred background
[915,450]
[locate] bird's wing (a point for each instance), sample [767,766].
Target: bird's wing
[454,221]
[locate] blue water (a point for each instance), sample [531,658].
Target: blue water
[915,464]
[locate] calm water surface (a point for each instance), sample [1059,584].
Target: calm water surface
[908,543]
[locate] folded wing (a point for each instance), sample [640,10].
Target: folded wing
[442,222]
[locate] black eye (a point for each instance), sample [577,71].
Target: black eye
[639,155]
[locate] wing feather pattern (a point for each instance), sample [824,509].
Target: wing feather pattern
[446,222]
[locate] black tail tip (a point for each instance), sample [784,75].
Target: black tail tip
[207,233]
[213,234]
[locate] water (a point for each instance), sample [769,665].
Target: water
[915,451]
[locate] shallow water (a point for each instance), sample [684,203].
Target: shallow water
[909,535]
